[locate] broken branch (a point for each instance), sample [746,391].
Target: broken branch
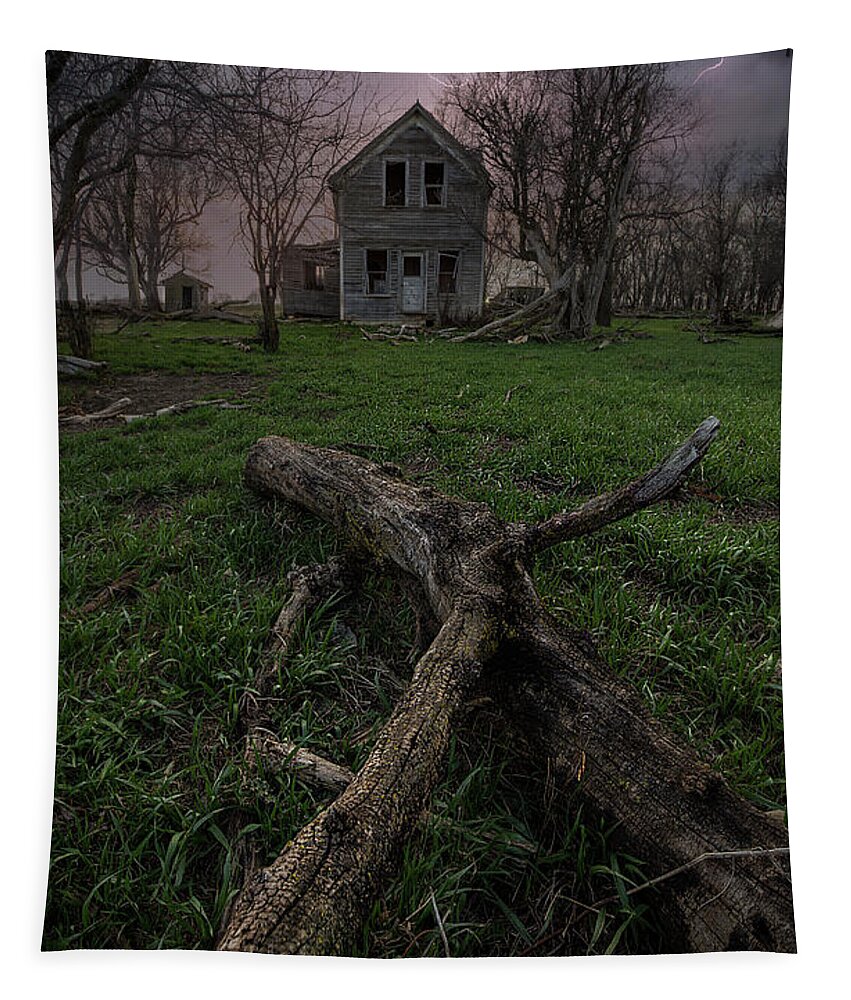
[313,898]
[635,496]
[105,414]
[190,404]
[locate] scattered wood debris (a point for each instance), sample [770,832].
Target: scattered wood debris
[67,364]
[619,337]
[189,404]
[513,389]
[706,339]
[391,335]
[122,585]
[107,413]
[243,345]
[706,332]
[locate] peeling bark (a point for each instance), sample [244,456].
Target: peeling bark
[719,864]
[598,740]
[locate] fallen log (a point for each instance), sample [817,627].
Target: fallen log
[503,325]
[68,364]
[226,315]
[220,341]
[719,865]
[122,585]
[107,413]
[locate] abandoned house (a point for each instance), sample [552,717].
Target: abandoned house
[411,210]
[310,280]
[186,291]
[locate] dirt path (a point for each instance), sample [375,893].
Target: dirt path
[155,389]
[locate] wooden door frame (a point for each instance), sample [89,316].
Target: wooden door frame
[423,279]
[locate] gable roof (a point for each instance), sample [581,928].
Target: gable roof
[183,273]
[419,116]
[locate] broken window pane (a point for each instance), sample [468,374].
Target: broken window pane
[412,265]
[447,272]
[395,177]
[376,272]
[434,181]
[314,276]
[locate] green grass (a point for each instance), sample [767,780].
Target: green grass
[153,815]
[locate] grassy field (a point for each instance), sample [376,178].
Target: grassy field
[153,815]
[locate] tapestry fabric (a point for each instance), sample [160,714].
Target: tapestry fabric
[419,475]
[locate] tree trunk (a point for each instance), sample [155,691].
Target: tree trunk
[151,292]
[61,272]
[720,865]
[270,334]
[604,307]
[73,320]
[78,263]
[668,807]
[131,263]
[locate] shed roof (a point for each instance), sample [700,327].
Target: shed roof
[418,115]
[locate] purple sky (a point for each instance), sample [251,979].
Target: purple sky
[742,99]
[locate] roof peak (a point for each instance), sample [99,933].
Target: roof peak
[185,272]
[439,132]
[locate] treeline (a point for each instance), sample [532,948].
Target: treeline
[714,243]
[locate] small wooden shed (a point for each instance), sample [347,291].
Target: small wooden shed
[186,291]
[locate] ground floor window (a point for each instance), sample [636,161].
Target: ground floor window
[377,272]
[447,272]
[314,276]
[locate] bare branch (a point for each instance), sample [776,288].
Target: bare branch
[635,496]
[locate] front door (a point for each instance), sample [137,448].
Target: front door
[413,283]
[187,296]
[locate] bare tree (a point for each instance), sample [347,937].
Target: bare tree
[84,93]
[653,266]
[712,242]
[144,180]
[765,231]
[563,148]
[277,135]
[141,222]
[720,214]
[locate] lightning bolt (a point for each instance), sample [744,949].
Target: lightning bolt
[437,80]
[708,69]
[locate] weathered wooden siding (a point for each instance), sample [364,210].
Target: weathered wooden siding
[459,225]
[296,300]
[174,293]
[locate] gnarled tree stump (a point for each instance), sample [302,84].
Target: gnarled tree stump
[721,864]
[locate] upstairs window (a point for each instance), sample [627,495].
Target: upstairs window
[314,276]
[447,272]
[395,183]
[376,272]
[434,182]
